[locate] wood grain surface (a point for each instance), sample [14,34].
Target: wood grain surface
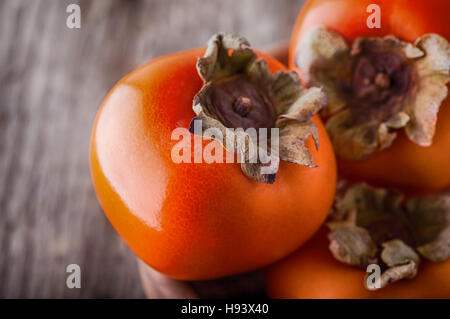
[52,81]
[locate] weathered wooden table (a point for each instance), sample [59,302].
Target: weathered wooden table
[52,80]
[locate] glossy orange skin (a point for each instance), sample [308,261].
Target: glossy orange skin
[312,273]
[196,221]
[404,165]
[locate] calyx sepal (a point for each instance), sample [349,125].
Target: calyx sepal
[375,87]
[240,94]
[379,226]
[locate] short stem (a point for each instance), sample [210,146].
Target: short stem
[242,106]
[382,80]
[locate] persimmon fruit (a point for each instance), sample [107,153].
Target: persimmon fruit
[404,164]
[387,117]
[312,273]
[197,220]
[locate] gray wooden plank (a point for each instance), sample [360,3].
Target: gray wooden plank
[52,81]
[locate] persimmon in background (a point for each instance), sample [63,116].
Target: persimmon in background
[404,164]
[312,271]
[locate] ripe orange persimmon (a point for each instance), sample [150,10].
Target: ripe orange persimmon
[312,272]
[404,164]
[196,220]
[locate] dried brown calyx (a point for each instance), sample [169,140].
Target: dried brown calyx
[375,87]
[239,94]
[378,226]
